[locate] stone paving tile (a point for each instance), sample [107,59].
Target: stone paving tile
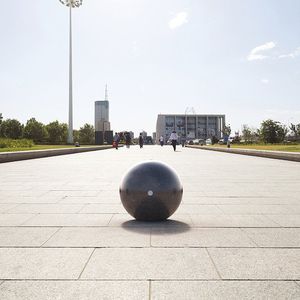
[5,207]
[22,193]
[149,263]
[257,263]
[232,221]
[69,220]
[88,200]
[76,193]
[199,209]
[239,200]
[39,263]
[46,208]
[41,199]
[200,237]
[100,237]
[286,220]
[274,237]
[25,236]
[14,219]
[102,209]
[189,290]
[255,209]
[259,186]
[71,290]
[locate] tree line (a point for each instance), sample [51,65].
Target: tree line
[271,131]
[52,133]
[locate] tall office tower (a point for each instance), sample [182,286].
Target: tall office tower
[102,114]
[103,134]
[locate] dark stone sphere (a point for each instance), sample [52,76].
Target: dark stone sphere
[151,191]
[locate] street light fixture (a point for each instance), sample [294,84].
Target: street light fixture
[71,4]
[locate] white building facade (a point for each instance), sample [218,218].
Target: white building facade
[190,126]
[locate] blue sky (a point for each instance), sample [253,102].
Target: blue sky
[233,57]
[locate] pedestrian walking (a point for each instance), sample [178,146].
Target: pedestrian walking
[141,141]
[161,140]
[173,138]
[127,139]
[116,140]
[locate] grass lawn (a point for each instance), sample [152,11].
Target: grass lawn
[272,147]
[41,147]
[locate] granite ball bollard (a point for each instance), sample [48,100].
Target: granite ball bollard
[151,191]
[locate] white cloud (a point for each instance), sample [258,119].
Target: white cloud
[265,81]
[135,48]
[291,55]
[256,53]
[178,20]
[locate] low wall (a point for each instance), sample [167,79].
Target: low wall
[292,156]
[22,155]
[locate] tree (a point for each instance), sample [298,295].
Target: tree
[249,135]
[57,132]
[295,128]
[226,133]
[11,128]
[87,134]
[35,131]
[272,131]
[1,118]
[227,130]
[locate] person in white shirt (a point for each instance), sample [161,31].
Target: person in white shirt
[173,138]
[161,140]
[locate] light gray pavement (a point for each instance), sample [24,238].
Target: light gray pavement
[65,235]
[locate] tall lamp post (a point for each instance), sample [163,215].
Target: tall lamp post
[71,4]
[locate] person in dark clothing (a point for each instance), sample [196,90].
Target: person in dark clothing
[141,141]
[127,139]
[173,138]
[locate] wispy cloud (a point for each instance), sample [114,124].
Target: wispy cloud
[264,81]
[135,48]
[292,54]
[258,53]
[178,20]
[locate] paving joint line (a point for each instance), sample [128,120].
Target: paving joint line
[154,280]
[153,247]
[86,263]
[149,291]
[41,246]
[297,282]
[249,237]
[212,261]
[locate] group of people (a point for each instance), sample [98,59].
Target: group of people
[116,139]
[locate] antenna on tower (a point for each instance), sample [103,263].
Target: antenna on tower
[106,94]
[190,110]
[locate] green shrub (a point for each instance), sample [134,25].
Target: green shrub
[10,143]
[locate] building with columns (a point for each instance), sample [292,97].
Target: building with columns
[190,126]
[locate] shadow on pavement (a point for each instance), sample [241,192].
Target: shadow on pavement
[159,228]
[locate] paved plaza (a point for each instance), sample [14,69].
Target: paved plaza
[64,233]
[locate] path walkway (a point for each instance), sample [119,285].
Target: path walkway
[65,235]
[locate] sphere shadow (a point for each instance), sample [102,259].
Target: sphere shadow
[157,228]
